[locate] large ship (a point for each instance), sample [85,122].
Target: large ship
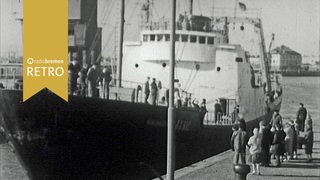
[124,137]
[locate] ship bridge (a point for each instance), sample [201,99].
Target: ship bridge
[196,38]
[191,46]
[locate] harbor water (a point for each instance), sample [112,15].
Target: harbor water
[300,89]
[295,90]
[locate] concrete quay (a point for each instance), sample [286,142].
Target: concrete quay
[220,166]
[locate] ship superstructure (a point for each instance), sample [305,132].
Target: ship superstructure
[210,62]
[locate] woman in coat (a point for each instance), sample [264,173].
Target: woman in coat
[309,139]
[277,146]
[290,139]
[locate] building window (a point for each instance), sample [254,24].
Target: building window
[193,39]
[202,39]
[210,40]
[177,37]
[145,38]
[184,38]
[159,37]
[167,37]
[152,37]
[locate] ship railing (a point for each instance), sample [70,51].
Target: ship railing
[215,23]
[11,76]
[220,119]
[132,92]
[165,25]
[229,12]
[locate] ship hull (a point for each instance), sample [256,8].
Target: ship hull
[90,138]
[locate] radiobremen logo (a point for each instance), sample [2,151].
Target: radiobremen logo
[44,70]
[45,47]
[42,73]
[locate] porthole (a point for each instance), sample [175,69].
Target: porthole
[218,69]
[136,65]
[164,65]
[197,67]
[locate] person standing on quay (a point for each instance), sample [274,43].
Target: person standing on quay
[266,139]
[255,151]
[309,139]
[276,119]
[277,147]
[146,91]
[154,91]
[239,140]
[290,140]
[301,117]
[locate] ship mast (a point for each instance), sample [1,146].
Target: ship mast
[190,6]
[0,31]
[119,62]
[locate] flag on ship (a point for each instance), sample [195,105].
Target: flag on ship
[242,6]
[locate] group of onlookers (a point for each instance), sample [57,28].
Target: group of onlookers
[273,140]
[151,89]
[182,99]
[84,80]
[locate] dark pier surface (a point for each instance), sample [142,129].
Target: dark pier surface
[220,166]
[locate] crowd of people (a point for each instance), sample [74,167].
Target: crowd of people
[273,140]
[182,99]
[84,80]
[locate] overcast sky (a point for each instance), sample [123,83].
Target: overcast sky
[294,22]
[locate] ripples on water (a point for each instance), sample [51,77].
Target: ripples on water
[301,89]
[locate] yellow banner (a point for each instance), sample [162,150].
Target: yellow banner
[45,47]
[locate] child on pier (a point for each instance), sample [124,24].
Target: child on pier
[255,150]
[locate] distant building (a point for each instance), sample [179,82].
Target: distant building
[285,59]
[84,37]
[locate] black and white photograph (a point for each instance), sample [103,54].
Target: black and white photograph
[168,89]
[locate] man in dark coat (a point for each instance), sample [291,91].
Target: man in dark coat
[82,79]
[217,111]
[92,77]
[74,69]
[266,139]
[146,91]
[154,91]
[301,117]
[277,147]
[106,79]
